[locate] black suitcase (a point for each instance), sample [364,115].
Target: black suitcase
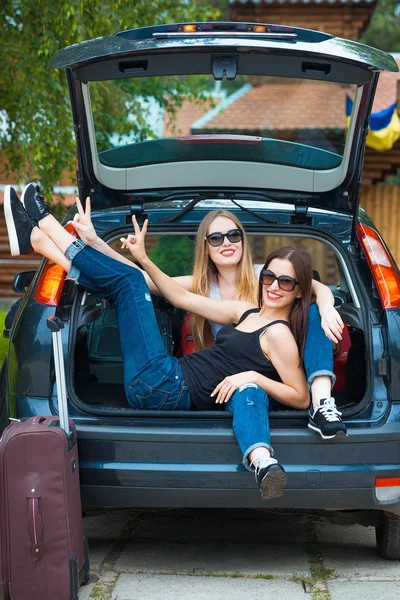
[44,555]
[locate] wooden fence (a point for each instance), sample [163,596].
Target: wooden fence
[382,203]
[10,266]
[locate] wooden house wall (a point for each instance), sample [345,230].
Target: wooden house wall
[347,20]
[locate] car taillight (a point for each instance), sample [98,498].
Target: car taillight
[190,28]
[382,267]
[49,287]
[221,29]
[387,488]
[51,281]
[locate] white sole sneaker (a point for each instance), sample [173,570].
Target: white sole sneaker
[11,230]
[19,225]
[338,434]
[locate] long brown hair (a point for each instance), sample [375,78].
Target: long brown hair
[204,271]
[301,261]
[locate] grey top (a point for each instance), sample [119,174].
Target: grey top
[215,295]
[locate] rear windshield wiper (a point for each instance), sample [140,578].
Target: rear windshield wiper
[201,197]
[183,211]
[253,213]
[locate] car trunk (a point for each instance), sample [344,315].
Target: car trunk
[96,372]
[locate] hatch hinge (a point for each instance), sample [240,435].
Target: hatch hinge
[300,216]
[135,208]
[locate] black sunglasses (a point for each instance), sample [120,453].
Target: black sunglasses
[285,282]
[217,239]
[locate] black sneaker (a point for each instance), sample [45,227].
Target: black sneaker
[326,420]
[19,225]
[271,478]
[34,203]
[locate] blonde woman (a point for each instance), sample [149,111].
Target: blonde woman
[223,270]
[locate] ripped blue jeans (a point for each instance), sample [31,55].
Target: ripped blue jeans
[318,353]
[249,406]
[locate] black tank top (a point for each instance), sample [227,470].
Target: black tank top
[234,351]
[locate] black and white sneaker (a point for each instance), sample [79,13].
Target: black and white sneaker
[271,478]
[326,420]
[19,225]
[34,203]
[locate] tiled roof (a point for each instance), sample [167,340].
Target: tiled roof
[280,106]
[272,106]
[186,114]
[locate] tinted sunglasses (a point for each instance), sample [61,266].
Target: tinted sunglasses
[285,282]
[217,239]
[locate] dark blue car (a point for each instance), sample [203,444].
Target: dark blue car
[264,140]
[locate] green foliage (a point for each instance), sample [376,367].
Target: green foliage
[174,255]
[384,29]
[38,135]
[112,100]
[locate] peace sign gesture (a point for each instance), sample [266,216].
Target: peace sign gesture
[135,243]
[82,223]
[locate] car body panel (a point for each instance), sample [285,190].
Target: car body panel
[135,472]
[307,42]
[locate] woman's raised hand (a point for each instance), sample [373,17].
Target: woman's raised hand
[135,243]
[82,223]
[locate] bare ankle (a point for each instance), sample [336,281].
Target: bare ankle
[46,222]
[259,454]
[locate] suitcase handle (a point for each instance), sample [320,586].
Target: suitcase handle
[56,325]
[38,420]
[35,522]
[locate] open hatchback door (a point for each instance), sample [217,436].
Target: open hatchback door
[222,106]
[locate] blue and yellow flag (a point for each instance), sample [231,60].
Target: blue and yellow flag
[384,127]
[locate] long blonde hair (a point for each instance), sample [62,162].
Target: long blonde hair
[205,271]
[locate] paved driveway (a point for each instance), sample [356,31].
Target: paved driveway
[234,555]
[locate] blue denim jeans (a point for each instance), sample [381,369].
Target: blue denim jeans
[249,406]
[318,352]
[153,379]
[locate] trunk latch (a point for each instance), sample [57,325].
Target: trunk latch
[222,64]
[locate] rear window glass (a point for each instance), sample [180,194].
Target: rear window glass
[294,122]
[174,253]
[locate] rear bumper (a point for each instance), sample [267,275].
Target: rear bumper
[145,497]
[187,466]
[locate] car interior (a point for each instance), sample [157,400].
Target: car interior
[98,373]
